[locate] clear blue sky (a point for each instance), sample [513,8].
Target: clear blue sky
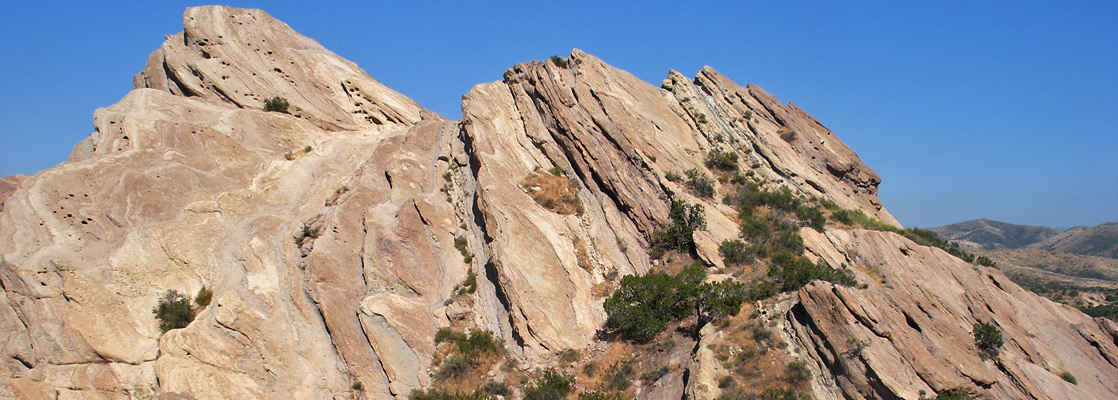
[1004,110]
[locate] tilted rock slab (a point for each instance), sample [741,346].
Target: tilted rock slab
[911,330]
[328,233]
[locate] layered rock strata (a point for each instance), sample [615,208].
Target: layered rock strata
[328,233]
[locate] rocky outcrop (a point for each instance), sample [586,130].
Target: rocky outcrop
[181,187]
[242,57]
[8,185]
[618,137]
[910,332]
[328,234]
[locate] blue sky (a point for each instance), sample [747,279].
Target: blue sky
[1002,110]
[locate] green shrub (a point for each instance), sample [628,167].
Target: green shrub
[988,339]
[470,346]
[204,296]
[276,104]
[655,375]
[860,219]
[812,216]
[477,344]
[788,136]
[751,196]
[552,386]
[307,232]
[954,394]
[754,229]
[590,368]
[1069,378]
[735,252]
[439,394]
[986,261]
[495,388]
[644,305]
[453,367]
[700,183]
[843,216]
[460,243]
[672,176]
[559,61]
[470,284]
[1109,311]
[795,272]
[568,356]
[449,335]
[617,376]
[173,311]
[713,300]
[763,290]
[787,240]
[599,395]
[722,160]
[680,234]
[925,237]
[798,370]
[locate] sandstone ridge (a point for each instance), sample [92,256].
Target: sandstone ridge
[337,237]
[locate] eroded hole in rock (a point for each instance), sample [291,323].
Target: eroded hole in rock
[911,322]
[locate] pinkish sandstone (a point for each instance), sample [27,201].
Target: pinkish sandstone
[328,235]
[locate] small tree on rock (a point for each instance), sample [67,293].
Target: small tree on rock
[173,311]
[644,305]
[686,218]
[988,339]
[276,104]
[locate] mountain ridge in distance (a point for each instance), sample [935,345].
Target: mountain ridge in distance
[1099,240]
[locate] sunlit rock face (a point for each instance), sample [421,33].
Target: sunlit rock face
[337,236]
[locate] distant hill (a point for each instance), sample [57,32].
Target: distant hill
[988,234]
[1078,267]
[1099,240]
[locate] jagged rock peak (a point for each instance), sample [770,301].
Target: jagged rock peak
[243,56]
[338,239]
[686,119]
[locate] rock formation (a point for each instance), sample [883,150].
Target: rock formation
[8,185]
[915,328]
[337,236]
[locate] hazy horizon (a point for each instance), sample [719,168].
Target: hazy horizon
[967,111]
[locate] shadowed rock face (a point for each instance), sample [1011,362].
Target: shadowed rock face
[328,234]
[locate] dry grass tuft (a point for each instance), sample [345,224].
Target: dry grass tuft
[557,193]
